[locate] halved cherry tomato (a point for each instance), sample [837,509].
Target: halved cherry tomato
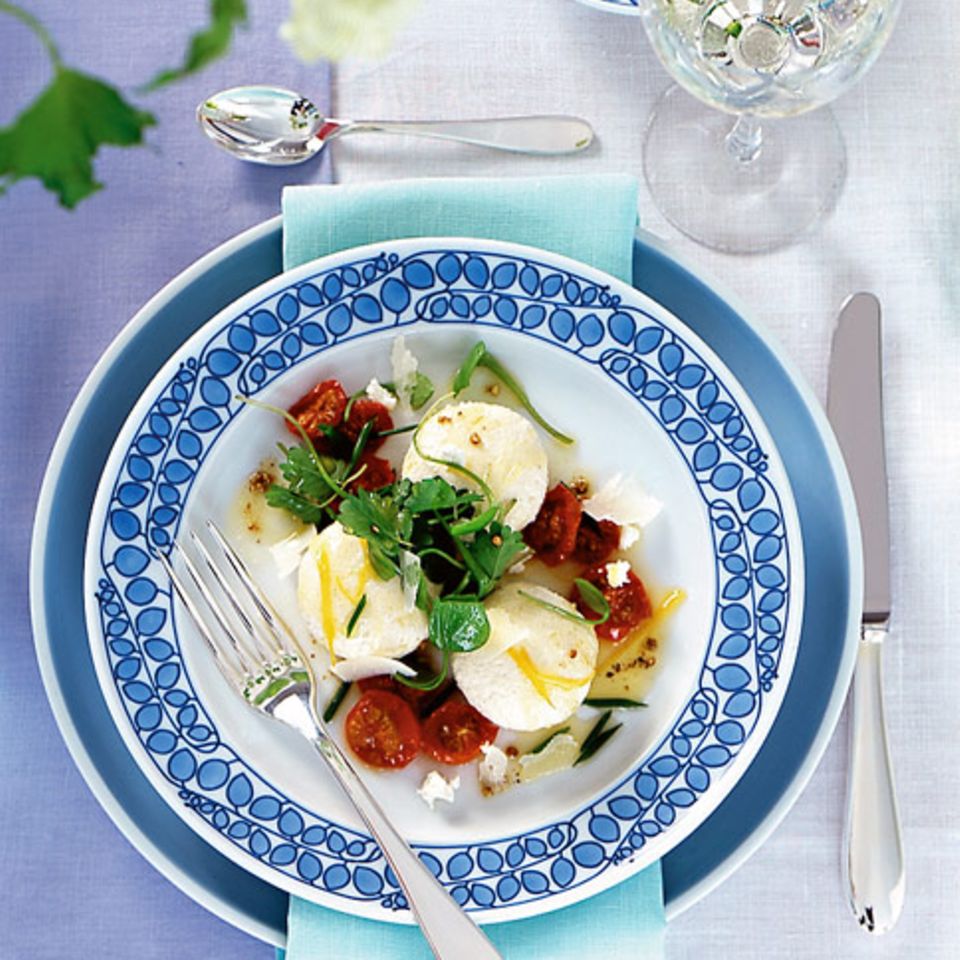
[455,731]
[596,540]
[629,603]
[322,406]
[381,730]
[365,409]
[553,533]
[378,473]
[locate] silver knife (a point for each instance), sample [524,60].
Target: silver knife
[873,850]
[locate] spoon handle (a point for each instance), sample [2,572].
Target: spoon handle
[538,135]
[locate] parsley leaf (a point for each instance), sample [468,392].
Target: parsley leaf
[57,136]
[458,625]
[377,517]
[208,44]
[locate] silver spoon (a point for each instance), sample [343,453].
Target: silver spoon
[277,127]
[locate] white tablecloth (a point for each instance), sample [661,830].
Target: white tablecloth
[896,231]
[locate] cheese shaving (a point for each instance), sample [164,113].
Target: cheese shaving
[492,769]
[287,553]
[375,391]
[359,668]
[623,501]
[404,365]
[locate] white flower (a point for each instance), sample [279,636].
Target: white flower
[332,29]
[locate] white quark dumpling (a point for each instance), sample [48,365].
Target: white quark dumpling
[494,442]
[335,573]
[535,669]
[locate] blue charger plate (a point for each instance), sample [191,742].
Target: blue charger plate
[745,818]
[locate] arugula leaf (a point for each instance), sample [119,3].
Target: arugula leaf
[208,44]
[479,356]
[57,136]
[421,391]
[461,379]
[458,625]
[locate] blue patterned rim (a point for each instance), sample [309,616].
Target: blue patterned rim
[566,306]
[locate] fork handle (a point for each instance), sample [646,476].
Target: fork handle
[449,931]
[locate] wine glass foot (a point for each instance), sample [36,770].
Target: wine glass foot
[704,185]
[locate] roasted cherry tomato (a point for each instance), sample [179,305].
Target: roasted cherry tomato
[454,732]
[596,540]
[382,730]
[629,603]
[378,473]
[553,533]
[365,409]
[323,406]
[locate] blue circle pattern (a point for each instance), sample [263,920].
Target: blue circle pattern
[649,361]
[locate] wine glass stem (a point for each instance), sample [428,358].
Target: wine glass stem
[745,139]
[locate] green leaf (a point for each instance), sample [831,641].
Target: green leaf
[285,499]
[208,44]
[426,683]
[594,599]
[461,379]
[421,391]
[56,138]
[434,493]
[480,357]
[494,551]
[458,625]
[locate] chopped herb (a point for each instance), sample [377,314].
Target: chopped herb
[613,703]
[355,616]
[404,429]
[330,710]
[596,738]
[543,744]
[480,357]
[592,597]
[586,753]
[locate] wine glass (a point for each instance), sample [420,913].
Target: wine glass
[756,183]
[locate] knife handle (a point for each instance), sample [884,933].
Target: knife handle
[874,850]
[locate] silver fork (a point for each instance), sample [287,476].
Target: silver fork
[260,656]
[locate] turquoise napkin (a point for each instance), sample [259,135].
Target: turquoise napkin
[592,219]
[589,218]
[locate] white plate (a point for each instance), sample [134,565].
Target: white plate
[580,340]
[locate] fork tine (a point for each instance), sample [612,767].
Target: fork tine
[284,636]
[230,670]
[248,660]
[260,647]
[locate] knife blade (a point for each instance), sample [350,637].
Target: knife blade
[855,409]
[873,861]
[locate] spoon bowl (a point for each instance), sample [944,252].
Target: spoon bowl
[277,127]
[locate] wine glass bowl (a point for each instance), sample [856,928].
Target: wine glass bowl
[757,59]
